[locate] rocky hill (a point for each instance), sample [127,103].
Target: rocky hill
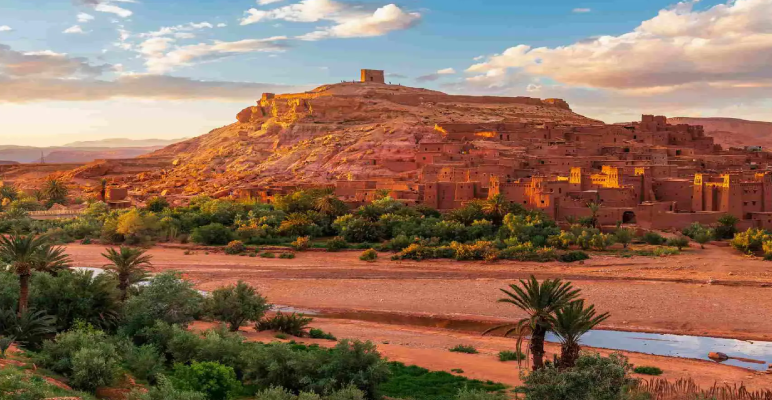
[732,132]
[340,131]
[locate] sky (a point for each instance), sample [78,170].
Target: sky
[93,69]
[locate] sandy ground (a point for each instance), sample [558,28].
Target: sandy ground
[711,292]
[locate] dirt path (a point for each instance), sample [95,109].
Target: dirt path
[642,294]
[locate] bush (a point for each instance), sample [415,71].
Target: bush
[573,256]
[157,204]
[645,370]
[214,380]
[562,241]
[336,244]
[301,243]
[287,256]
[507,355]
[28,329]
[236,305]
[463,349]
[235,247]
[527,252]
[679,242]
[164,390]
[624,236]
[278,393]
[369,255]
[726,227]
[93,367]
[467,394]
[665,251]
[58,354]
[653,238]
[593,377]
[480,250]
[212,234]
[750,241]
[268,254]
[320,334]
[357,230]
[145,362]
[167,298]
[291,324]
[15,384]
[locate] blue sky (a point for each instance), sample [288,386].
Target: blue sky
[108,68]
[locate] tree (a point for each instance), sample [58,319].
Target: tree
[703,236]
[51,259]
[330,205]
[497,207]
[23,255]
[157,204]
[624,236]
[128,265]
[237,304]
[103,190]
[55,191]
[569,324]
[9,192]
[594,207]
[539,301]
[726,226]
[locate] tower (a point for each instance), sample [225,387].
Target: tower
[373,76]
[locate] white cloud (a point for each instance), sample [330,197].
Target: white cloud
[83,17]
[74,29]
[351,20]
[447,71]
[582,10]
[5,28]
[436,75]
[222,25]
[158,60]
[108,6]
[173,30]
[266,2]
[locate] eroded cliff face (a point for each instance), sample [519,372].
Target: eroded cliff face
[342,131]
[731,132]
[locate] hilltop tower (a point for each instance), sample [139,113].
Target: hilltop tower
[373,76]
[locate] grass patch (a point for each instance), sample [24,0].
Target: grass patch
[464,349]
[646,370]
[412,382]
[507,355]
[268,254]
[287,256]
[320,334]
[282,336]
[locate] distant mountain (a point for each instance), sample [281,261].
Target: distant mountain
[733,132]
[29,154]
[123,142]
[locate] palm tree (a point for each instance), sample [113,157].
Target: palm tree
[330,205]
[51,259]
[23,255]
[539,301]
[594,207]
[55,190]
[129,265]
[103,189]
[497,207]
[569,324]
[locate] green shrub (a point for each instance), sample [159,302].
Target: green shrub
[527,252]
[145,362]
[369,255]
[282,336]
[645,370]
[624,236]
[464,349]
[212,234]
[562,241]
[593,377]
[320,334]
[398,243]
[412,382]
[167,298]
[336,244]
[291,324]
[214,380]
[467,394]
[354,229]
[164,390]
[235,247]
[665,251]
[28,329]
[287,256]
[726,227]
[94,366]
[653,238]
[573,256]
[278,393]
[235,305]
[750,241]
[507,355]
[679,242]
[301,243]
[157,204]
[703,237]
[268,254]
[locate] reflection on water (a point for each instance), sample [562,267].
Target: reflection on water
[662,345]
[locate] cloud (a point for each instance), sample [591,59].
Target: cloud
[83,17]
[435,75]
[74,29]
[266,2]
[159,87]
[582,10]
[222,25]
[677,56]
[351,20]
[46,65]
[158,60]
[5,28]
[108,6]
[175,30]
